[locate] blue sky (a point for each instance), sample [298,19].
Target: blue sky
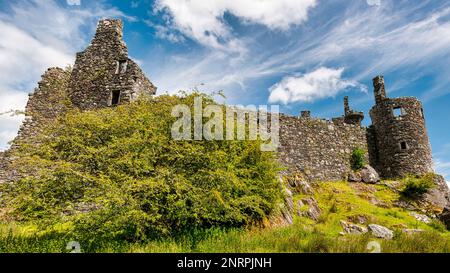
[301,54]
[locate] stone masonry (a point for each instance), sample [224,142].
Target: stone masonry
[320,149]
[104,76]
[399,135]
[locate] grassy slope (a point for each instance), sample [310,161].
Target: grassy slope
[338,201]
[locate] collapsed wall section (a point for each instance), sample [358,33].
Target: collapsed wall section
[48,102]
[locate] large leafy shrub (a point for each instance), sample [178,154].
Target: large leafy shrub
[117,173]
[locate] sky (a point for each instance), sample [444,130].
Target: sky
[300,54]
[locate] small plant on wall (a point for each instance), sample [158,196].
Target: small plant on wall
[358,159]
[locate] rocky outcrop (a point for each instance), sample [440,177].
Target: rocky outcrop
[413,231]
[369,175]
[445,217]
[439,196]
[299,185]
[308,207]
[354,177]
[350,228]
[381,232]
[421,217]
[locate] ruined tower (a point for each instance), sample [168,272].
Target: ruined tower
[103,74]
[400,137]
[350,116]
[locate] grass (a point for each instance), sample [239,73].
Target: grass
[338,201]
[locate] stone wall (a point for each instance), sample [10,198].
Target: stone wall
[3,166]
[400,136]
[320,149]
[103,74]
[48,101]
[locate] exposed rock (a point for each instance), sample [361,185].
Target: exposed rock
[369,175]
[400,226]
[413,231]
[393,185]
[439,196]
[360,219]
[354,177]
[287,217]
[421,217]
[350,228]
[381,232]
[445,217]
[284,218]
[404,205]
[313,211]
[300,185]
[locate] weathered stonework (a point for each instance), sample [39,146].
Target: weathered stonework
[320,149]
[3,165]
[48,101]
[104,75]
[399,136]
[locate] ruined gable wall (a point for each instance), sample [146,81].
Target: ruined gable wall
[103,68]
[320,149]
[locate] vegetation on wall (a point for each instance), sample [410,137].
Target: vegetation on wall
[358,159]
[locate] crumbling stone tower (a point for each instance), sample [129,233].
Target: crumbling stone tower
[399,134]
[103,74]
[351,116]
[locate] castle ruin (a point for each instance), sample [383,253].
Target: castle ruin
[105,76]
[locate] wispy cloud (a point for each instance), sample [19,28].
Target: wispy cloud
[319,84]
[73,2]
[443,168]
[368,40]
[204,21]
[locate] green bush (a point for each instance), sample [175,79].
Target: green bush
[358,159]
[416,187]
[117,173]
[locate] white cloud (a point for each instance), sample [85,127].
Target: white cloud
[203,21]
[35,35]
[27,56]
[73,2]
[374,2]
[318,84]
[368,41]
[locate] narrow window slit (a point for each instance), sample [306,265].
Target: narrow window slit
[115,98]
